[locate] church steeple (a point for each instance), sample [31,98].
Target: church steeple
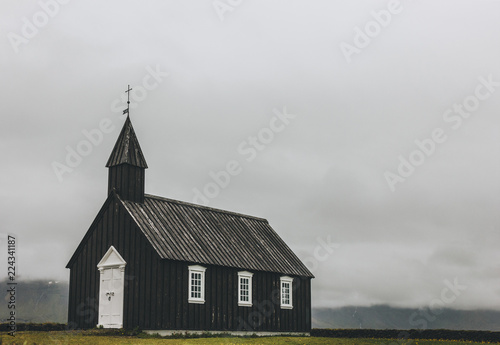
[127,166]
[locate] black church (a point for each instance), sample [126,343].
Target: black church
[171,266]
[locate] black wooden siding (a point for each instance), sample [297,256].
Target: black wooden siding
[127,181]
[156,290]
[221,312]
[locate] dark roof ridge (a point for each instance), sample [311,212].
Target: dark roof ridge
[218,210]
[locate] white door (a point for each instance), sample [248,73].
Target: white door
[111,298]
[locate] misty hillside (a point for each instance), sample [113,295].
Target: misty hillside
[39,301]
[47,301]
[385,317]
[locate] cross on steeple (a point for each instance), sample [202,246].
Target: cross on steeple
[126,111]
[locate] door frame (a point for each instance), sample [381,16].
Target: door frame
[112,260]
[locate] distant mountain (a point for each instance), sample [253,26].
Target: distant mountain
[386,317]
[39,301]
[47,301]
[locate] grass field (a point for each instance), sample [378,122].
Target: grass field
[63,338]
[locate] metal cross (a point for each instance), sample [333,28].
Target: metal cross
[128,91]
[126,111]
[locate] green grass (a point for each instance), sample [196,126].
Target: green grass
[75,338]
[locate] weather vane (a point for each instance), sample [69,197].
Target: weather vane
[126,111]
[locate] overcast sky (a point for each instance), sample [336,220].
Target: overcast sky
[366,132]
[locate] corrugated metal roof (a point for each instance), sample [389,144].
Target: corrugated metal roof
[188,232]
[127,148]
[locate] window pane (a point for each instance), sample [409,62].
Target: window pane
[244,289]
[285,293]
[195,285]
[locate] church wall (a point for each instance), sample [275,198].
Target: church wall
[221,312]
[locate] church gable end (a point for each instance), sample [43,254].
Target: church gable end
[113,227]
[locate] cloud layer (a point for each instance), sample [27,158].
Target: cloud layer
[322,179]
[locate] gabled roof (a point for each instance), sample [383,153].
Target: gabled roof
[127,148]
[187,232]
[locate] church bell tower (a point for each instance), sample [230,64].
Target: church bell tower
[127,166]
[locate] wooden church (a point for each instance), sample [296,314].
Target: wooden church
[169,266]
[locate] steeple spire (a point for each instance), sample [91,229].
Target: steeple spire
[127,149]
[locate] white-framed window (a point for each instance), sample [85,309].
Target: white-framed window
[196,293]
[245,289]
[286,292]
